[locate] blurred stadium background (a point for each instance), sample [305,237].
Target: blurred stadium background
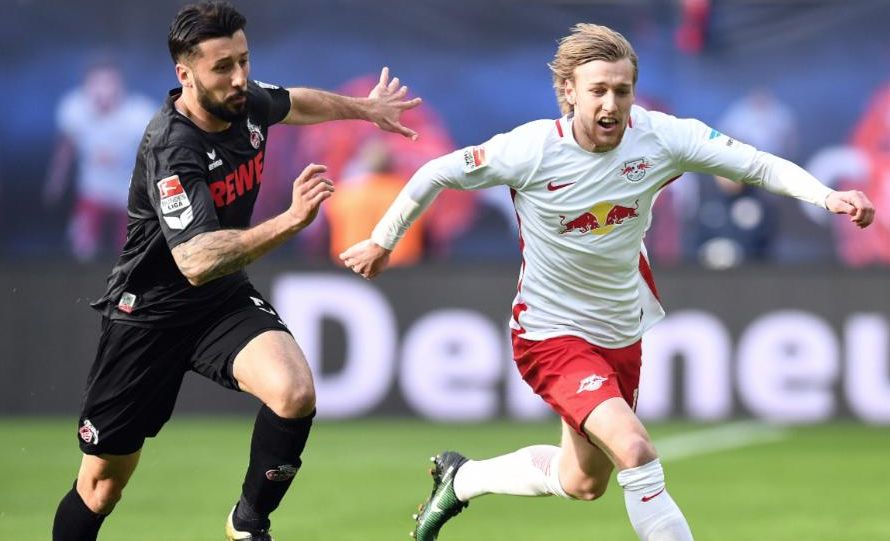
[768,385]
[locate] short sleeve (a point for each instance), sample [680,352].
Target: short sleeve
[180,196]
[272,101]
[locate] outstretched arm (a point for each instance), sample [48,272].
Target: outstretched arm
[708,151]
[211,255]
[505,159]
[371,257]
[783,177]
[383,106]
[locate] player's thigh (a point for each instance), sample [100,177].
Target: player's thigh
[247,347]
[272,367]
[117,468]
[614,427]
[584,469]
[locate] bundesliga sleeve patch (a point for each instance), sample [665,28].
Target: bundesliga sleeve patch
[474,158]
[173,201]
[267,86]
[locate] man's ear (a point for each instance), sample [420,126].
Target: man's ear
[568,90]
[184,75]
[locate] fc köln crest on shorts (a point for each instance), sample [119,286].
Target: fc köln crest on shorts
[88,432]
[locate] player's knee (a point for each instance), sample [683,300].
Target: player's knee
[294,401]
[101,496]
[635,451]
[587,488]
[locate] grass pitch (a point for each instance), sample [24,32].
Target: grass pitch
[362,480]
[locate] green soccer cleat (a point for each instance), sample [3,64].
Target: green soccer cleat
[442,503]
[236,535]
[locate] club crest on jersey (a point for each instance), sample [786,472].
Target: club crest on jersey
[256,134]
[635,170]
[474,158]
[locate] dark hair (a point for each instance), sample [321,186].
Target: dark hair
[199,22]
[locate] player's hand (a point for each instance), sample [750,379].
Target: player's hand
[366,258]
[387,102]
[310,189]
[854,203]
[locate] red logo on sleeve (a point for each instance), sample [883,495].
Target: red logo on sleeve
[170,186]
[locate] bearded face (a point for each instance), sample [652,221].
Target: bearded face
[218,72]
[231,108]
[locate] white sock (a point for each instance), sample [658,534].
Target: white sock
[651,510]
[530,471]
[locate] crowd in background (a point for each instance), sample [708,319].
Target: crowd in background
[698,220]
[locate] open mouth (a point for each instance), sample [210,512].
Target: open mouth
[607,123]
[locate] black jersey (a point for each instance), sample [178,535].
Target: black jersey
[187,181]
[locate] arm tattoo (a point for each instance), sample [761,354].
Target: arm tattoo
[211,255]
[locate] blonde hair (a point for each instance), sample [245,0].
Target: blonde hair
[586,43]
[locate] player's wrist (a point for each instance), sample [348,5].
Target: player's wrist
[381,250]
[293,221]
[381,240]
[362,108]
[826,204]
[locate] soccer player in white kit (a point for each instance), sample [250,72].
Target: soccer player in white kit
[583,187]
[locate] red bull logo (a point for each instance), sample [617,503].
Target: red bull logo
[600,219]
[635,170]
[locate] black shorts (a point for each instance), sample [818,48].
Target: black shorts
[135,379]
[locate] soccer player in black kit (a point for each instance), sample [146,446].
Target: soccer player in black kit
[178,298]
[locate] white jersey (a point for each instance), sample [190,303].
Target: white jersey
[106,144]
[583,215]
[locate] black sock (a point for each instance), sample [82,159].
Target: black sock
[275,450]
[74,520]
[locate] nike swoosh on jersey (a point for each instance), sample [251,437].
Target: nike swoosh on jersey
[553,187]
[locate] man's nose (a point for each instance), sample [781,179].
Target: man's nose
[239,77]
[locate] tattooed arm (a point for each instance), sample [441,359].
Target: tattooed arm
[217,253]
